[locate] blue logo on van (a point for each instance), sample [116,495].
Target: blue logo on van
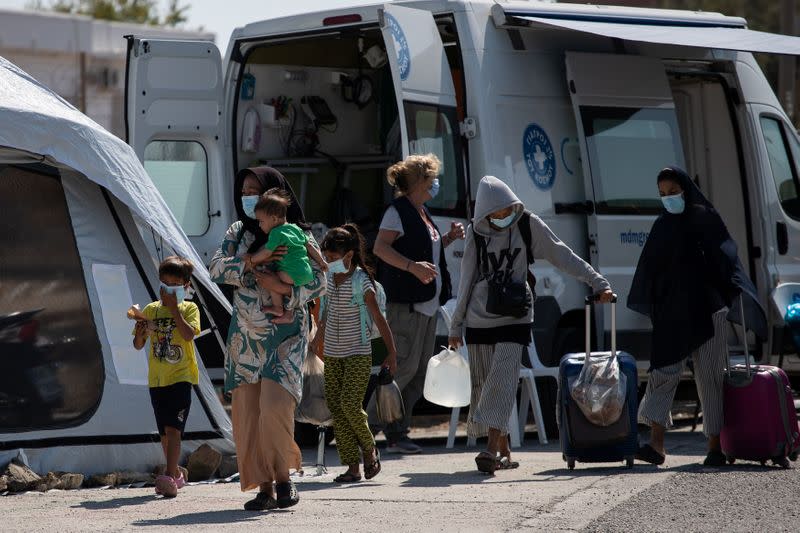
[400,46]
[539,157]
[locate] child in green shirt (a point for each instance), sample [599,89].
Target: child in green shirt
[294,268]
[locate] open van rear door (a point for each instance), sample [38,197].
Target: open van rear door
[628,131]
[173,117]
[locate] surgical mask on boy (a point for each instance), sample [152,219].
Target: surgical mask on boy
[503,222]
[249,205]
[337,267]
[179,291]
[674,204]
[434,190]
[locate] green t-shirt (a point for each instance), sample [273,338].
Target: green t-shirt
[296,262]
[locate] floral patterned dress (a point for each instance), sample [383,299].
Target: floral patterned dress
[257,348]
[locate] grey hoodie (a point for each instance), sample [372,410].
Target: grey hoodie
[506,251]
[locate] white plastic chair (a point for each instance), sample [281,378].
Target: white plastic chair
[529,398]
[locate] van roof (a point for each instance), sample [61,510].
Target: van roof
[368,11]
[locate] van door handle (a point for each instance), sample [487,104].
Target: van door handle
[782,237]
[574,208]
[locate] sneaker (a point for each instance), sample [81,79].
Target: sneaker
[405,446]
[166,486]
[287,494]
[262,502]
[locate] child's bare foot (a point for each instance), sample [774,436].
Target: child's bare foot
[286,318]
[275,310]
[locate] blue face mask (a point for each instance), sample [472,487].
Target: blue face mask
[249,205]
[503,222]
[179,291]
[337,267]
[674,204]
[434,190]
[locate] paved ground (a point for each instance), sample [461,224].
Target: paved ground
[441,491]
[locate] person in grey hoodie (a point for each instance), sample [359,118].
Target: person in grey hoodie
[495,341]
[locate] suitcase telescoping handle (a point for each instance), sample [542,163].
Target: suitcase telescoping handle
[744,341]
[591,299]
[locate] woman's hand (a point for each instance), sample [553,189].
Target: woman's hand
[606,296]
[391,362]
[456,232]
[278,253]
[423,271]
[455,342]
[269,281]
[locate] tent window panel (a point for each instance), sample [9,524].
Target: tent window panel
[179,170]
[784,154]
[627,148]
[51,361]
[434,129]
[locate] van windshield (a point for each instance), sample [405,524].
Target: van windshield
[627,148]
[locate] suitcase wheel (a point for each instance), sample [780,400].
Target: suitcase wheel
[571,463]
[629,462]
[793,456]
[763,462]
[731,460]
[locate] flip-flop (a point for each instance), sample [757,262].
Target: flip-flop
[486,462]
[648,454]
[347,477]
[373,469]
[506,464]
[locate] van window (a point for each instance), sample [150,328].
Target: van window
[783,163]
[627,148]
[51,362]
[179,170]
[434,129]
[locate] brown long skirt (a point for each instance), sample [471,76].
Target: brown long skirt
[263,429]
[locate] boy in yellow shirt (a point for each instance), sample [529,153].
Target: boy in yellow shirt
[171,325]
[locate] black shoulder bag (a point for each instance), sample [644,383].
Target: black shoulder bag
[505,296]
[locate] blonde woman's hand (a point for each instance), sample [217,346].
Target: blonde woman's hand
[606,296]
[423,271]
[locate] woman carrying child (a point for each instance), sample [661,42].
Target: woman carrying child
[347,355]
[264,360]
[171,324]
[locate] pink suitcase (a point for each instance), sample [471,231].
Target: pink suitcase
[760,421]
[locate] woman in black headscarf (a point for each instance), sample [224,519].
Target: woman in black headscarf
[688,278]
[264,360]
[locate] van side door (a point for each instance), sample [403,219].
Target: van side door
[628,131]
[426,102]
[173,117]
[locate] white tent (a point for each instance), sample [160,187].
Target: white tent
[73,392]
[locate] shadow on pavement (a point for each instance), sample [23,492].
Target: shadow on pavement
[439,479]
[208,517]
[116,503]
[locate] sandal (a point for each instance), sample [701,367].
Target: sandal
[648,454]
[348,477]
[505,463]
[287,494]
[373,469]
[486,462]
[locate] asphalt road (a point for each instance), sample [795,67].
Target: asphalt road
[441,491]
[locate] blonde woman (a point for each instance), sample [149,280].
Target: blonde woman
[414,274]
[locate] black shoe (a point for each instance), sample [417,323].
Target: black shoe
[262,502]
[287,494]
[715,458]
[648,454]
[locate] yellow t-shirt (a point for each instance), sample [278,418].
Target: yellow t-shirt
[172,359]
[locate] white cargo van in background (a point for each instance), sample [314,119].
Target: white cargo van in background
[576,107]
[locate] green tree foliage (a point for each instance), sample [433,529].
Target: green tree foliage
[138,11]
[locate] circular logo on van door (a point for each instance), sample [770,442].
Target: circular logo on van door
[539,157]
[400,46]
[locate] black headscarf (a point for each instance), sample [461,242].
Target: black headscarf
[689,269]
[268,178]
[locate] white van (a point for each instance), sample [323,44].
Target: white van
[577,107]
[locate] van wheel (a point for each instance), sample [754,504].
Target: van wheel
[571,463]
